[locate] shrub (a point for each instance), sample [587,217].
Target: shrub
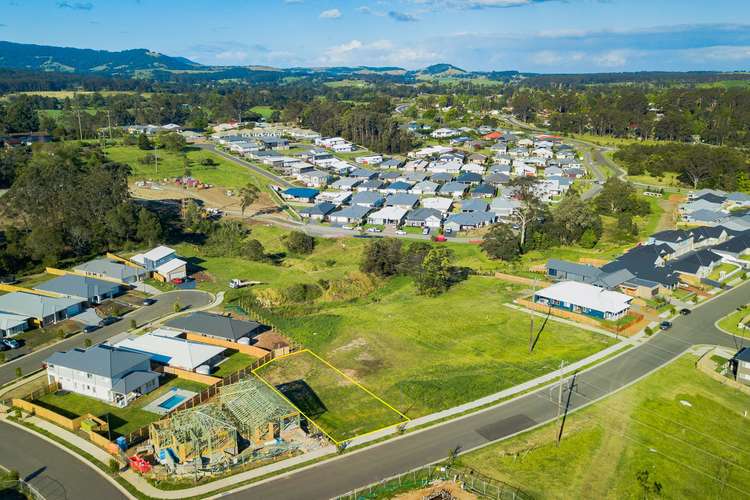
[302,292]
[19,372]
[648,331]
[133,324]
[299,242]
[87,343]
[269,298]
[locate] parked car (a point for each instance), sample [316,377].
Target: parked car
[348,228]
[665,325]
[3,347]
[90,328]
[374,230]
[11,343]
[109,320]
[149,302]
[685,311]
[426,230]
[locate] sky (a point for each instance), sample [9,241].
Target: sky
[546,36]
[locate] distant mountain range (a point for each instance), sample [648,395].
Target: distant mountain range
[147,63]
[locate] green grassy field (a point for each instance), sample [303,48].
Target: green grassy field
[337,405]
[264,111]
[170,164]
[426,354]
[121,420]
[669,180]
[234,362]
[730,323]
[693,450]
[725,268]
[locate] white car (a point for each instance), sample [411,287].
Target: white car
[374,230]
[400,232]
[348,228]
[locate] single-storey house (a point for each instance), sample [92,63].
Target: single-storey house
[441,177]
[398,187]
[468,220]
[166,346]
[350,215]
[103,372]
[443,205]
[363,174]
[217,326]
[469,178]
[370,185]
[388,216]
[106,268]
[504,207]
[13,324]
[424,217]
[424,187]
[454,189]
[300,194]
[497,179]
[483,191]
[317,212]
[92,290]
[368,199]
[43,310]
[585,299]
[474,206]
[402,200]
[336,197]
[346,183]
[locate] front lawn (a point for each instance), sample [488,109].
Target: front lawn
[121,420]
[731,322]
[678,426]
[425,354]
[721,271]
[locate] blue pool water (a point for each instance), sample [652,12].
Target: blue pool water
[170,403]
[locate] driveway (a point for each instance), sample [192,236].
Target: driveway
[164,305]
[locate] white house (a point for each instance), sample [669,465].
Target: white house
[585,299]
[103,372]
[438,203]
[388,216]
[444,133]
[167,347]
[369,160]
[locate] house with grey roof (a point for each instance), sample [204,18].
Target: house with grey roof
[113,375]
[355,214]
[468,220]
[424,217]
[425,188]
[317,212]
[504,207]
[12,324]
[402,200]
[106,268]
[474,206]
[368,199]
[453,189]
[370,185]
[738,200]
[562,270]
[92,290]
[346,183]
[704,217]
[43,310]
[217,326]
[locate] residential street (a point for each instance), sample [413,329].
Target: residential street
[164,305]
[54,473]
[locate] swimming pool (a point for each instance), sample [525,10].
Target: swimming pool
[173,401]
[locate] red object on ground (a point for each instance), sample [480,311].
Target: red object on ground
[139,464]
[178,281]
[440,238]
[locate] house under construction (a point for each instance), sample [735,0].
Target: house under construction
[245,415]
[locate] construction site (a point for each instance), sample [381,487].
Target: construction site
[247,422]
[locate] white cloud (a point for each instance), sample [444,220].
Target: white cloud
[232,55]
[378,53]
[330,14]
[611,59]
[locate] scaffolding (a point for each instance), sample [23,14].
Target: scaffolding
[261,414]
[197,433]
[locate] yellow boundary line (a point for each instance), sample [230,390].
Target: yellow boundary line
[345,376]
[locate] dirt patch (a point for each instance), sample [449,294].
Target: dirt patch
[451,489]
[215,197]
[669,217]
[352,345]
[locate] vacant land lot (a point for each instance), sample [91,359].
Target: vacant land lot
[121,420]
[680,426]
[336,404]
[170,164]
[235,362]
[426,354]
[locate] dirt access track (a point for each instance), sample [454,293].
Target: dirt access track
[215,197]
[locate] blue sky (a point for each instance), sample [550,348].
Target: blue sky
[527,35]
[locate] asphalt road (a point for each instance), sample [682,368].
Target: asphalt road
[265,173]
[433,444]
[164,305]
[50,470]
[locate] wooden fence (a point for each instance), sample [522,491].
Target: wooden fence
[253,351]
[188,375]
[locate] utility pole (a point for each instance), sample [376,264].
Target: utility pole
[559,399]
[109,125]
[531,333]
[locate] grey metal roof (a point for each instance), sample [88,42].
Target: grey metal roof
[474,206]
[368,197]
[401,199]
[323,208]
[106,267]
[353,212]
[693,261]
[216,325]
[133,381]
[35,306]
[79,286]
[100,360]
[422,214]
